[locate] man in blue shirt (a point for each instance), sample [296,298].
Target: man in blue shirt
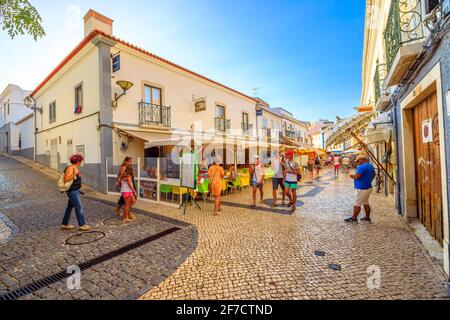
[363,189]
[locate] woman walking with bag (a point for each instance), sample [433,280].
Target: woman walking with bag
[128,193]
[128,161]
[72,174]
[215,176]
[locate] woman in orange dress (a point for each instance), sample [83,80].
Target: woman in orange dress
[216,175]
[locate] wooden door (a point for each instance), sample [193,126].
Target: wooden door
[428,168]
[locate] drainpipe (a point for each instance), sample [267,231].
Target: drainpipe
[397,155]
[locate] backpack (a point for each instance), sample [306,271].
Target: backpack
[63,186]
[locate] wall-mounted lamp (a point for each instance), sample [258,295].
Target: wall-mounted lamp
[125,86]
[31,103]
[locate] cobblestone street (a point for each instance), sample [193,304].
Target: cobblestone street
[260,254]
[32,246]
[245,253]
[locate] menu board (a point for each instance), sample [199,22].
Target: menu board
[189,171]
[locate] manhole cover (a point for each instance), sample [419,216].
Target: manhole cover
[115,221]
[85,238]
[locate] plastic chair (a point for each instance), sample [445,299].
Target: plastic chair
[236,185]
[203,189]
[166,190]
[245,180]
[179,191]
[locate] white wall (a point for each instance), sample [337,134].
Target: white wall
[25,128]
[178,89]
[82,129]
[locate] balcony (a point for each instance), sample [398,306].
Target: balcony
[404,37]
[154,115]
[246,129]
[223,125]
[289,134]
[382,96]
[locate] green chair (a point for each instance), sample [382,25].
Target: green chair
[236,185]
[203,189]
[166,189]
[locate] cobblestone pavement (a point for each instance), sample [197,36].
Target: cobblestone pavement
[38,248]
[266,254]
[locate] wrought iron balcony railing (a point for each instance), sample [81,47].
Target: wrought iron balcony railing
[150,114]
[404,25]
[246,128]
[222,124]
[289,134]
[379,81]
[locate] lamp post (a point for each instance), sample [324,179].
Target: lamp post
[30,102]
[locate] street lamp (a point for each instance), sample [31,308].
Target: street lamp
[31,104]
[125,86]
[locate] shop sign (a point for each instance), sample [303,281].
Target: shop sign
[200,105]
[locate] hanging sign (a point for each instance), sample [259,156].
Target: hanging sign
[427,131]
[200,105]
[259,112]
[116,63]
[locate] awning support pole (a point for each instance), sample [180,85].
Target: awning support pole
[366,148]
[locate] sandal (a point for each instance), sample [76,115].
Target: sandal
[366,219]
[351,220]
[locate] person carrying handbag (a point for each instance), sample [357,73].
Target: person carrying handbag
[72,174]
[215,176]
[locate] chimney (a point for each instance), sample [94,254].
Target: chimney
[96,21]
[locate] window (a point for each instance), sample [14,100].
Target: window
[220,118]
[52,112]
[9,107]
[79,99]
[245,120]
[264,123]
[220,112]
[152,95]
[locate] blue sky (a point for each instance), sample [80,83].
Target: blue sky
[304,54]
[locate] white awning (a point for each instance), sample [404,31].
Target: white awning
[379,129]
[154,139]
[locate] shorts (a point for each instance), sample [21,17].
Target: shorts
[277,182]
[126,195]
[257,185]
[362,197]
[337,166]
[291,185]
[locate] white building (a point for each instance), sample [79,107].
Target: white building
[84,111]
[293,131]
[16,123]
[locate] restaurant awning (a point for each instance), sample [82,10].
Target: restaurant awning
[155,139]
[379,130]
[343,130]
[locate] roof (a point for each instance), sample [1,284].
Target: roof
[96,33]
[262,102]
